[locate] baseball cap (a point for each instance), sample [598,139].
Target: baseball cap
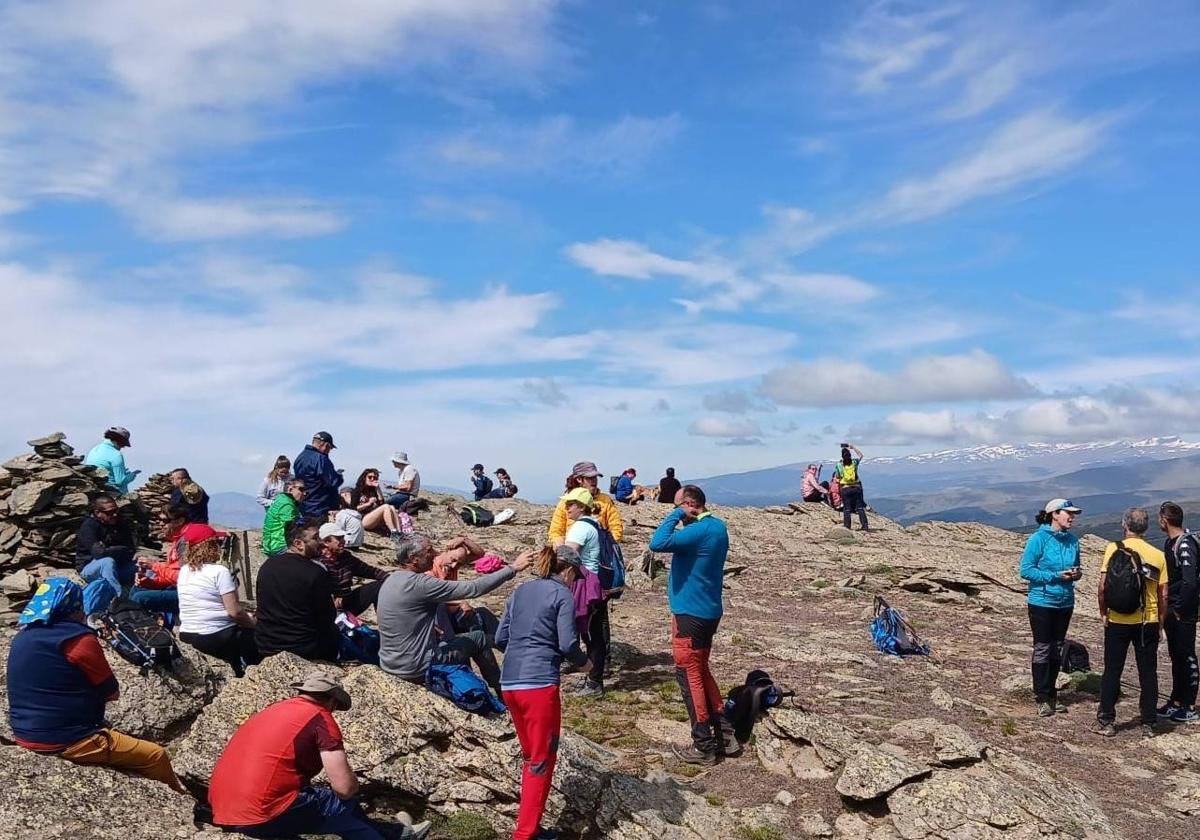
[325,437]
[477,467]
[586,469]
[579,494]
[567,554]
[1055,505]
[198,532]
[330,529]
[318,682]
[399,457]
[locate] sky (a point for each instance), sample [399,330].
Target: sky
[718,236]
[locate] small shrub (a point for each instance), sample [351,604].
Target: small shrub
[467,825]
[760,832]
[1008,727]
[714,800]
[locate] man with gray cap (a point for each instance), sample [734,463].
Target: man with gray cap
[107,455]
[262,785]
[322,480]
[410,481]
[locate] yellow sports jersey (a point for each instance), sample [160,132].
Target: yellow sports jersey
[1151,556]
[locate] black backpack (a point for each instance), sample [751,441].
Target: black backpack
[1075,657]
[612,485]
[1124,590]
[138,635]
[478,516]
[747,701]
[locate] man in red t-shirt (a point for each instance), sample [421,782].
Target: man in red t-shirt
[260,785]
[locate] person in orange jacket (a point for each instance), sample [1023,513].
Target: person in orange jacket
[584,474]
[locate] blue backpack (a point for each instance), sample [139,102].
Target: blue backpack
[358,644]
[612,562]
[462,687]
[892,634]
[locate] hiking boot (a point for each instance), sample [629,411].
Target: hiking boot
[404,818]
[1168,709]
[589,689]
[1182,715]
[1105,729]
[691,755]
[1045,710]
[1149,730]
[730,746]
[1060,707]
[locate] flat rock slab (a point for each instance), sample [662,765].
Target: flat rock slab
[871,773]
[951,743]
[1178,746]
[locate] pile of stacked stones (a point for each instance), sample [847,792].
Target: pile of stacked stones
[154,496]
[44,496]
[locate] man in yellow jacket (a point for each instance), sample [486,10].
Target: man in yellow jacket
[588,476]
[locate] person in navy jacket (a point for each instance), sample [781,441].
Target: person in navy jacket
[322,480]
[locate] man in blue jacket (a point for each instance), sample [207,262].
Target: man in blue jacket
[321,479]
[699,549]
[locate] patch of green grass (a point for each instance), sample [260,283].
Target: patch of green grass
[714,800]
[760,832]
[467,825]
[821,583]
[1009,727]
[881,569]
[691,771]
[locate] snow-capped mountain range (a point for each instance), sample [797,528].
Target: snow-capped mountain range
[1103,452]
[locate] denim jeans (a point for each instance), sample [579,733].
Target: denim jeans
[473,646]
[318,810]
[156,600]
[119,575]
[398,499]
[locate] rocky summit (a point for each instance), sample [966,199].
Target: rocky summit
[944,747]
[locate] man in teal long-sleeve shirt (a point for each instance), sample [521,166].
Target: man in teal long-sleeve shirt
[107,454]
[698,550]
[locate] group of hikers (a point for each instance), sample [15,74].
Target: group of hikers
[59,680]
[1143,594]
[482,487]
[844,491]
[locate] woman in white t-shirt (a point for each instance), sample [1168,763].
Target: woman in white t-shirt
[583,535]
[211,618]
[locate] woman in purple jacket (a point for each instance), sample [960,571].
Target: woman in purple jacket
[536,634]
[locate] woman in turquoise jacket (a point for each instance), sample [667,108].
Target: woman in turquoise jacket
[1051,565]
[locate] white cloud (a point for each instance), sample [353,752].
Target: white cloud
[821,288]
[725,427]
[829,382]
[225,218]
[633,260]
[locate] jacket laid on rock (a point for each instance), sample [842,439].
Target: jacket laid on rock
[1049,553]
[321,482]
[698,550]
[106,454]
[608,516]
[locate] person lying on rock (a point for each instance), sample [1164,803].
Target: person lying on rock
[104,546]
[407,611]
[262,785]
[344,567]
[295,600]
[59,683]
[537,633]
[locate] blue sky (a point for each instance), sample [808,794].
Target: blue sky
[714,235]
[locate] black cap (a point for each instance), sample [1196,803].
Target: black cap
[477,467]
[325,437]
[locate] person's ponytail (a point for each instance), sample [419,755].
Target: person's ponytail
[1043,518]
[545,563]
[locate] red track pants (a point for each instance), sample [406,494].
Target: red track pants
[691,647]
[537,716]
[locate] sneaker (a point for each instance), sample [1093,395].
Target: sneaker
[404,818]
[1182,715]
[1105,729]
[691,755]
[1168,709]
[1149,730]
[1060,707]
[1045,710]
[418,832]
[589,689]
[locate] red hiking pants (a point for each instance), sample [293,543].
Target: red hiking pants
[691,646]
[537,717]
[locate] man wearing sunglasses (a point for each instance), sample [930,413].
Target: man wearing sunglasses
[104,546]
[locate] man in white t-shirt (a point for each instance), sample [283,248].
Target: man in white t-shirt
[409,486]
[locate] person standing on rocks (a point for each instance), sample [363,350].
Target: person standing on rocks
[104,546]
[668,486]
[189,495]
[59,683]
[850,481]
[1140,628]
[1051,565]
[584,538]
[698,543]
[584,474]
[262,786]
[107,454]
[536,634]
[1182,550]
[322,480]
[276,481]
[281,515]
[295,600]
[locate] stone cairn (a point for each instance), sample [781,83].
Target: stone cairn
[44,497]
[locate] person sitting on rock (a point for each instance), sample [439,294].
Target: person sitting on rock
[506,488]
[262,786]
[276,481]
[295,600]
[408,488]
[155,586]
[107,455]
[377,515]
[481,484]
[536,634]
[627,492]
[59,683]
[344,567]
[584,474]
[812,489]
[189,495]
[211,618]
[407,611]
[668,486]
[322,480]
[281,515]
[104,546]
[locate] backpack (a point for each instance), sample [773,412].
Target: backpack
[138,635]
[612,562]
[357,642]
[1123,581]
[892,634]
[746,702]
[849,474]
[478,516]
[485,486]
[1075,657]
[612,485]
[462,687]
